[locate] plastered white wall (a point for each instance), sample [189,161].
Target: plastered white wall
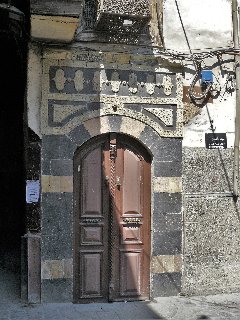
[208,25]
[220,113]
[34,89]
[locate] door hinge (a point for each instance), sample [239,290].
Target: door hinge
[118,182]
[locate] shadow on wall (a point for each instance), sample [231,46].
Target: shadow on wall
[12,203]
[228,174]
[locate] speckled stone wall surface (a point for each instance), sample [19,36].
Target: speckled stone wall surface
[86,94]
[211,223]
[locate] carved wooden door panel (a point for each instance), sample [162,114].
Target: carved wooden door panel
[130,236]
[112,243]
[91,199]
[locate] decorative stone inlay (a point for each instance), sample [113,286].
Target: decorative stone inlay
[60,113]
[133,83]
[60,79]
[150,82]
[97,81]
[114,87]
[115,82]
[150,85]
[114,108]
[167,85]
[165,115]
[166,264]
[78,80]
[167,184]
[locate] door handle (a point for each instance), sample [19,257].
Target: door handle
[118,182]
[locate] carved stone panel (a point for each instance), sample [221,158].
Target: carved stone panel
[72,80]
[80,87]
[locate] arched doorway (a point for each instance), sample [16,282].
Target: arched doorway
[112,197]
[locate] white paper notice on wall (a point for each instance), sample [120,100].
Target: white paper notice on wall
[32,191]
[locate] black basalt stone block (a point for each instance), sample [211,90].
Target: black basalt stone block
[57,247]
[167,243]
[57,290]
[167,168]
[167,149]
[61,167]
[165,203]
[57,147]
[166,284]
[57,214]
[167,234]
[149,137]
[79,135]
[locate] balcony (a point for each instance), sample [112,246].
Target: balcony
[122,16]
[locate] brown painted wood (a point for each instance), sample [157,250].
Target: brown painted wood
[132,216]
[91,200]
[112,223]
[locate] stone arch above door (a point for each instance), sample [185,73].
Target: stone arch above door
[57,192]
[113,123]
[162,115]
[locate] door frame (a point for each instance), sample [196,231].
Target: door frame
[80,152]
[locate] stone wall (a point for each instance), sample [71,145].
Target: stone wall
[211,223]
[86,94]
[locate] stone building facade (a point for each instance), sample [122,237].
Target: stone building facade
[83,91]
[86,94]
[102,83]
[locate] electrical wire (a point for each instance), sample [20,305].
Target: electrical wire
[197,66]
[197,60]
[197,56]
[185,34]
[203,96]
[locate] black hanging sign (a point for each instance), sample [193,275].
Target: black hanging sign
[216,140]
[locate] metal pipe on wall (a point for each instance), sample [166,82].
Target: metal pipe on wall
[237,118]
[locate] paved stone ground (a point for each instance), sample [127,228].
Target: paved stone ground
[218,307]
[9,287]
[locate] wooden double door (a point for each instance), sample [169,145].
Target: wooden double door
[112,177]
